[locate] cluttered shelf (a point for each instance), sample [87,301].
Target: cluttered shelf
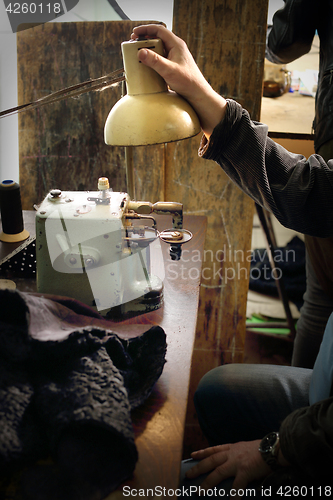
[289,115]
[276,271]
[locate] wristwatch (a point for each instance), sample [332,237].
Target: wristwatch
[269,449]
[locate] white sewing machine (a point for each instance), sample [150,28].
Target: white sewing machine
[96,247]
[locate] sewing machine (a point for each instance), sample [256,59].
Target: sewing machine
[97,247]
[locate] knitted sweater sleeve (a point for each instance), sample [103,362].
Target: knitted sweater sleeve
[298,191]
[307,438]
[293,29]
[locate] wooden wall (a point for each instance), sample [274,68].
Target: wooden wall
[62,146]
[227,39]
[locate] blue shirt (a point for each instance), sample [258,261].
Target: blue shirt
[322,375]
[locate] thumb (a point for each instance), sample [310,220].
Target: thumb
[150,58]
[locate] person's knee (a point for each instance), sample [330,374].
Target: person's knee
[215,386]
[216,402]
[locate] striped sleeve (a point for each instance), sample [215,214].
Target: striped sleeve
[297,190]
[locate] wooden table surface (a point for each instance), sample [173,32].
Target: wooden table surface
[159,422]
[290,113]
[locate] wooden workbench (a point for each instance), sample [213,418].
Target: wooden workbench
[62,146]
[159,422]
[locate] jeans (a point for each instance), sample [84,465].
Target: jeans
[243,402]
[317,306]
[315,312]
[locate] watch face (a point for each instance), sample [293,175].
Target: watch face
[268,442]
[269,448]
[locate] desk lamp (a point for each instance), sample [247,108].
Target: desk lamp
[150,113]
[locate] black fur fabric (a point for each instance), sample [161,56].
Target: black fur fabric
[70,399]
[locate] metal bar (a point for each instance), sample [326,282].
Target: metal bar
[271,246]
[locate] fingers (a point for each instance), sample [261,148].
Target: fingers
[213,460]
[152,31]
[221,469]
[149,30]
[182,75]
[215,478]
[152,59]
[156,31]
[162,65]
[198,455]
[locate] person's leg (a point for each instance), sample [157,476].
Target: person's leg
[243,402]
[315,312]
[317,304]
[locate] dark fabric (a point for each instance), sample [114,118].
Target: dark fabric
[307,438]
[291,36]
[292,482]
[70,398]
[290,264]
[320,250]
[298,191]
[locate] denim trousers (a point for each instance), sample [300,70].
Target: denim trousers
[244,402]
[317,307]
[315,312]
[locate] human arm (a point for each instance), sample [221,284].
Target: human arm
[181,73]
[307,433]
[307,436]
[297,190]
[306,445]
[292,31]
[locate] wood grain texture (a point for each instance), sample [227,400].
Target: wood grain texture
[227,40]
[62,145]
[159,422]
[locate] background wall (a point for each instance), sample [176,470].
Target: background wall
[85,10]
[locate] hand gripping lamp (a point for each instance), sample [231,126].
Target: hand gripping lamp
[149,113]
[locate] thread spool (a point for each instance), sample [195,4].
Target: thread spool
[11,213]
